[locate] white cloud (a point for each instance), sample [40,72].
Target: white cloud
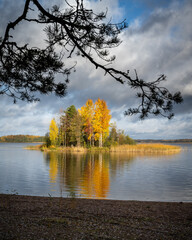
[160,44]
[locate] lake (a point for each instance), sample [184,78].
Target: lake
[100,175]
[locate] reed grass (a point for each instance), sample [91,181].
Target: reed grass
[36,147]
[139,148]
[73,149]
[64,149]
[146,148]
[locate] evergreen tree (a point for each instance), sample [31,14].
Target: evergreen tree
[76,129]
[113,135]
[71,127]
[47,140]
[63,130]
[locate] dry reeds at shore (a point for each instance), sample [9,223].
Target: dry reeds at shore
[72,149]
[146,148]
[139,148]
[35,147]
[53,148]
[64,149]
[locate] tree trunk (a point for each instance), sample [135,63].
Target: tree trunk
[92,138]
[100,140]
[78,141]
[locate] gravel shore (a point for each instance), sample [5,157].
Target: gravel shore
[43,218]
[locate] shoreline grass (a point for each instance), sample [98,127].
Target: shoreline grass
[146,148]
[35,147]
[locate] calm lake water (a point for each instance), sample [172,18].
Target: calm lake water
[107,176]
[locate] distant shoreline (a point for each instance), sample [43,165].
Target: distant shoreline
[22,142]
[20,138]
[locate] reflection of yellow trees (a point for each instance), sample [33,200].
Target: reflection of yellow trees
[96,178]
[53,167]
[101,177]
[88,174]
[71,171]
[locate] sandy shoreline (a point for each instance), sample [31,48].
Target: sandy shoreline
[27,217]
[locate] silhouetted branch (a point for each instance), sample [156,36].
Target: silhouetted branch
[80,32]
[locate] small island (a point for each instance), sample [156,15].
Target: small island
[89,129]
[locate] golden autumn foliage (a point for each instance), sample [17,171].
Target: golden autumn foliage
[87,114]
[53,132]
[101,121]
[88,126]
[96,118]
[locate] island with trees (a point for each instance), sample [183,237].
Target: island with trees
[89,128]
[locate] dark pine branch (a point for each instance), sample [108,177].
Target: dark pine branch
[78,32]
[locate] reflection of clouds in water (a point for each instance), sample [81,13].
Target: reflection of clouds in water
[161,157]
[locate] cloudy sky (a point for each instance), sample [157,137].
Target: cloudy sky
[158,41]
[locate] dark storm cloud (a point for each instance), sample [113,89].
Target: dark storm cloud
[185,107]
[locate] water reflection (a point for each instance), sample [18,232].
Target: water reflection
[96,180]
[53,167]
[89,175]
[119,176]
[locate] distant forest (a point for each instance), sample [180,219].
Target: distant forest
[21,138]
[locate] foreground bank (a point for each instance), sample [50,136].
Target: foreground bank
[24,217]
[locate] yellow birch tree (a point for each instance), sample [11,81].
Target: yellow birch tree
[87,114]
[53,132]
[101,121]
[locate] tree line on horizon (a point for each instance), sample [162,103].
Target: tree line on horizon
[88,126]
[22,138]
